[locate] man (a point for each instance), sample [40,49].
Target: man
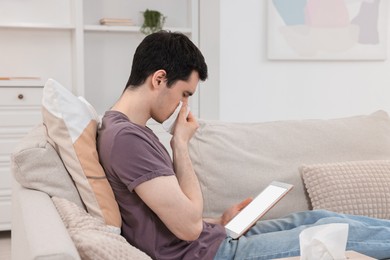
[161,202]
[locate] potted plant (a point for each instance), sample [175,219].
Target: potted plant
[153,21]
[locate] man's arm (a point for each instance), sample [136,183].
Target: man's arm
[177,200]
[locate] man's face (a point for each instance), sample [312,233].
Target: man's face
[169,98]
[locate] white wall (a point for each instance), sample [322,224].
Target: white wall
[249,87]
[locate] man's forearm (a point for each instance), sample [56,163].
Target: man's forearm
[187,178]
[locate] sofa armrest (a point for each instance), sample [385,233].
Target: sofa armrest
[37,229]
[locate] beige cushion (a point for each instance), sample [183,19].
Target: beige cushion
[36,165]
[357,187]
[237,160]
[72,125]
[94,239]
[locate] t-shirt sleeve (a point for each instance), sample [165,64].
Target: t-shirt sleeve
[136,159]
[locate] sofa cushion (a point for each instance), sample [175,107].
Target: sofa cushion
[237,160]
[72,125]
[94,239]
[355,187]
[36,165]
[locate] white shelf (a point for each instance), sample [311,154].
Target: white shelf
[135,29]
[109,28]
[37,26]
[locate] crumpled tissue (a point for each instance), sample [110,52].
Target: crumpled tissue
[324,242]
[169,124]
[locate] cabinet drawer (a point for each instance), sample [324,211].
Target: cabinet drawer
[23,117]
[24,96]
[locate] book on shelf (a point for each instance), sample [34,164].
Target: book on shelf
[116,22]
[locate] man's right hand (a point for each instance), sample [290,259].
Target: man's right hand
[185,127]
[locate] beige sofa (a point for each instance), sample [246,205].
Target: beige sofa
[233,161]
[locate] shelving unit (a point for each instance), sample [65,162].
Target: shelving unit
[62,39]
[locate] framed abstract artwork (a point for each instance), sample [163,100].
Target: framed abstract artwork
[327,29]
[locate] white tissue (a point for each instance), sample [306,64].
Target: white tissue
[170,122]
[324,242]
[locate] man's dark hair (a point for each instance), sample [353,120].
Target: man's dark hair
[171,51]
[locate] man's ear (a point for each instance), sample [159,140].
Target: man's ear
[158,78]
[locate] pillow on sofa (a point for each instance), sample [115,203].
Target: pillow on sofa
[93,239]
[234,161]
[72,125]
[356,187]
[36,165]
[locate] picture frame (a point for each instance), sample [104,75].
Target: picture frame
[327,30]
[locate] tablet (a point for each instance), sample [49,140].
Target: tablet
[260,205]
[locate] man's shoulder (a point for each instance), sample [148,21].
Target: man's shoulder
[114,123]
[124,134]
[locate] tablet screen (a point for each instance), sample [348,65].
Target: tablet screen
[257,208]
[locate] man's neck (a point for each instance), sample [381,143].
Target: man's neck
[134,105]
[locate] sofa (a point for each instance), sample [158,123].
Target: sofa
[337,164]
[233,161]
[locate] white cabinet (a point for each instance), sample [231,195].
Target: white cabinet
[19,111]
[63,40]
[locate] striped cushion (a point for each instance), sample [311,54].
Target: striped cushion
[72,125]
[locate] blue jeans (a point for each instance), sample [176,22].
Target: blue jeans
[277,238]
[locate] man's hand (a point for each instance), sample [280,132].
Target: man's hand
[234,210]
[229,213]
[185,127]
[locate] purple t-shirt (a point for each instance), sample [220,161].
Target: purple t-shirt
[132,154]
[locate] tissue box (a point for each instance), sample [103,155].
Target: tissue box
[351,255]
